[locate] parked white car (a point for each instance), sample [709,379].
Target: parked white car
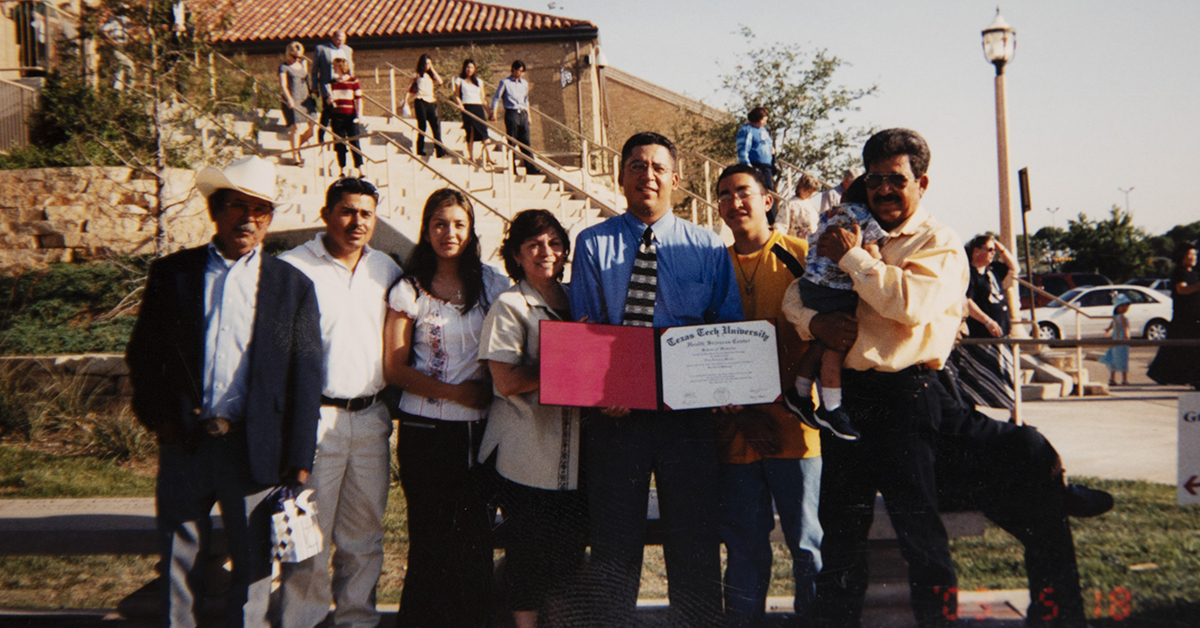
[1158,285]
[1149,311]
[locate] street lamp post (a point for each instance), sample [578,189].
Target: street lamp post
[1126,191]
[999,45]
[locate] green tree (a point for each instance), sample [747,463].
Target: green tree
[807,109]
[1113,247]
[1166,245]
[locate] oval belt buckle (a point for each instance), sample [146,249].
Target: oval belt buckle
[217,427]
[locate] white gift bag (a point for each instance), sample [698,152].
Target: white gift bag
[295,535]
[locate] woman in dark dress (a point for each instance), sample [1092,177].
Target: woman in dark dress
[986,371]
[1181,365]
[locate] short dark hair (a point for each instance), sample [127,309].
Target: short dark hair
[729,171]
[530,224]
[648,138]
[978,242]
[890,143]
[349,185]
[756,114]
[518,65]
[857,192]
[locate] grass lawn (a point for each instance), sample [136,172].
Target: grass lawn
[1142,559]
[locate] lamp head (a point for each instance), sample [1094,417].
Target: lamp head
[999,42]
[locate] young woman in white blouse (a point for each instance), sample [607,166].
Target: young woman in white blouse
[431,348]
[469,92]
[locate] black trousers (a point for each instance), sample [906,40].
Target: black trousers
[343,126]
[679,448]
[898,415]
[1015,476]
[326,113]
[427,114]
[449,577]
[516,125]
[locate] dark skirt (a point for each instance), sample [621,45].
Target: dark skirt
[1178,365]
[985,373]
[547,532]
[477,131]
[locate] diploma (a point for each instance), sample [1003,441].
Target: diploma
[705,366]
[643,368]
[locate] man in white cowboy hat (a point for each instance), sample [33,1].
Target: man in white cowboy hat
[226,366]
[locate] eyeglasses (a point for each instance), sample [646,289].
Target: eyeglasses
[726,200]
[640,167]
[875,179]
[256,210]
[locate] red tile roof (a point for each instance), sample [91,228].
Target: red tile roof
[261,20]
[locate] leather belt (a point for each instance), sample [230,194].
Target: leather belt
[220,426]
[353,405]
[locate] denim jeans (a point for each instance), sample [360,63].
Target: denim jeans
[747,491]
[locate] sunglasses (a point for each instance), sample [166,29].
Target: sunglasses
[359,186]
[896,180]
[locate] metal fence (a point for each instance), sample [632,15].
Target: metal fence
[16,104]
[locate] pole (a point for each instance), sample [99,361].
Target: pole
[1007,236]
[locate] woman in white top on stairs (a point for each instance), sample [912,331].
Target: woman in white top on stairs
[425,104]
[469,92]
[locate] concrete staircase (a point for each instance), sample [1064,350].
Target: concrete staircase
[405,182]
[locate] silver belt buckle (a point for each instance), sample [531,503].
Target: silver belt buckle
[217,426]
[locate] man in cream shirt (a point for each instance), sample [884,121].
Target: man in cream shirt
[352,469]
[910,306]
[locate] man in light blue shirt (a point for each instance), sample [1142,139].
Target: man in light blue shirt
[754,148]
[695,284]
[513,92]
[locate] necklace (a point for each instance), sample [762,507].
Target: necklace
[749,281]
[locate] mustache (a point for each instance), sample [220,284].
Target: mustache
[888,198]
[246,228]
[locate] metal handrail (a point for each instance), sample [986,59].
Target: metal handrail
[541,159]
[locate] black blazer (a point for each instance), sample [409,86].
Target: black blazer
[166,359]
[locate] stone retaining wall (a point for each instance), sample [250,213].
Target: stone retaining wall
[62,214]
[104,373]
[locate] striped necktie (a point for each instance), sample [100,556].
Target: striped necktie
[643,284]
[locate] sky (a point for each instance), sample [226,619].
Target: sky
[1102,94]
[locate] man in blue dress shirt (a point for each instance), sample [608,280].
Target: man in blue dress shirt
[513,93]
[695,285]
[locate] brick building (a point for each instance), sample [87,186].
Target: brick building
[388,36]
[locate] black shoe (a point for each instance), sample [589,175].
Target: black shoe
[837,422]
[800,406]
[1082,501]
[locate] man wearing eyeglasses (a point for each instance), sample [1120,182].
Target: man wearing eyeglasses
[650,268]
[351,473]
[227,374]
[910,307]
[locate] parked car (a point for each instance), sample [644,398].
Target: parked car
[1148,313]
[1161,285]
[1059,283]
